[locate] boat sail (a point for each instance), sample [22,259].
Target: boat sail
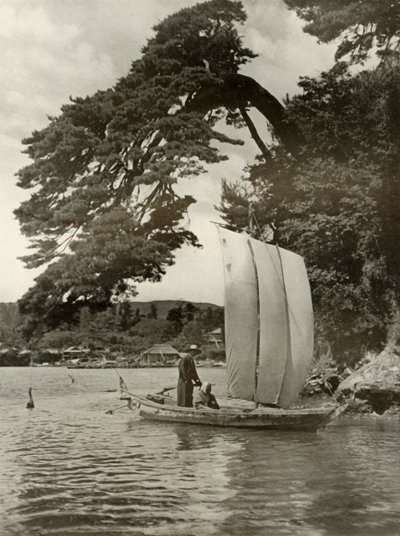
[269,343]
[268,320]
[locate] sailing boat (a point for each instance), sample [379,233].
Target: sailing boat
[268,340]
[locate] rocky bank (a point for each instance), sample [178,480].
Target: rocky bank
[373,387]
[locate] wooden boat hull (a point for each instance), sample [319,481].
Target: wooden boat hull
[266,418]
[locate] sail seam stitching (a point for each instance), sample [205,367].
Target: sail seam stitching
[287,309]
[257,364]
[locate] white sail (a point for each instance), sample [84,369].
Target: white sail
[301,326]
[273,319]
[268,320]
[241,323]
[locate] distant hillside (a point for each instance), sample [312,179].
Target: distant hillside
[163,306]
[9,316]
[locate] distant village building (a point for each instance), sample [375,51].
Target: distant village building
[24,353]
[215,339]
[76,352]
[160,354]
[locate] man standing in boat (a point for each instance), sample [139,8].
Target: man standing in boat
[187,379]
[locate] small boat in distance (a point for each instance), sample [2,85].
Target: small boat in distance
[269,337]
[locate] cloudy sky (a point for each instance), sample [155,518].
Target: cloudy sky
[52,49]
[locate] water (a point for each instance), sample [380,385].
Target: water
[68,468]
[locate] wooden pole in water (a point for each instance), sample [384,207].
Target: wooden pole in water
[30,404]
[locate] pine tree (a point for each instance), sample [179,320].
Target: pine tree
[103,210]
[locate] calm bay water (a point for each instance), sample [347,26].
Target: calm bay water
[68,468]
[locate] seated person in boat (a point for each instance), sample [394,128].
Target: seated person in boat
[204,398]
[187,379]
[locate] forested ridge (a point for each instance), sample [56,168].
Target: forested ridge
[104,213]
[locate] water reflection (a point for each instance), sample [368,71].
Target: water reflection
[67,468]
[268,481]
[354,493]
[204,454]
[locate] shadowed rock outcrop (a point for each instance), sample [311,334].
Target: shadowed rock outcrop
[375,386]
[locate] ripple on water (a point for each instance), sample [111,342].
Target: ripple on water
[67,468]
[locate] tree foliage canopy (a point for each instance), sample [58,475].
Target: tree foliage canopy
[336,205]
[103,210]
[361,25]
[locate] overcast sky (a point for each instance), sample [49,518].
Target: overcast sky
[52,49]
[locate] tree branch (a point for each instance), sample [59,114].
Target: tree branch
[238,91]
[254,133]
